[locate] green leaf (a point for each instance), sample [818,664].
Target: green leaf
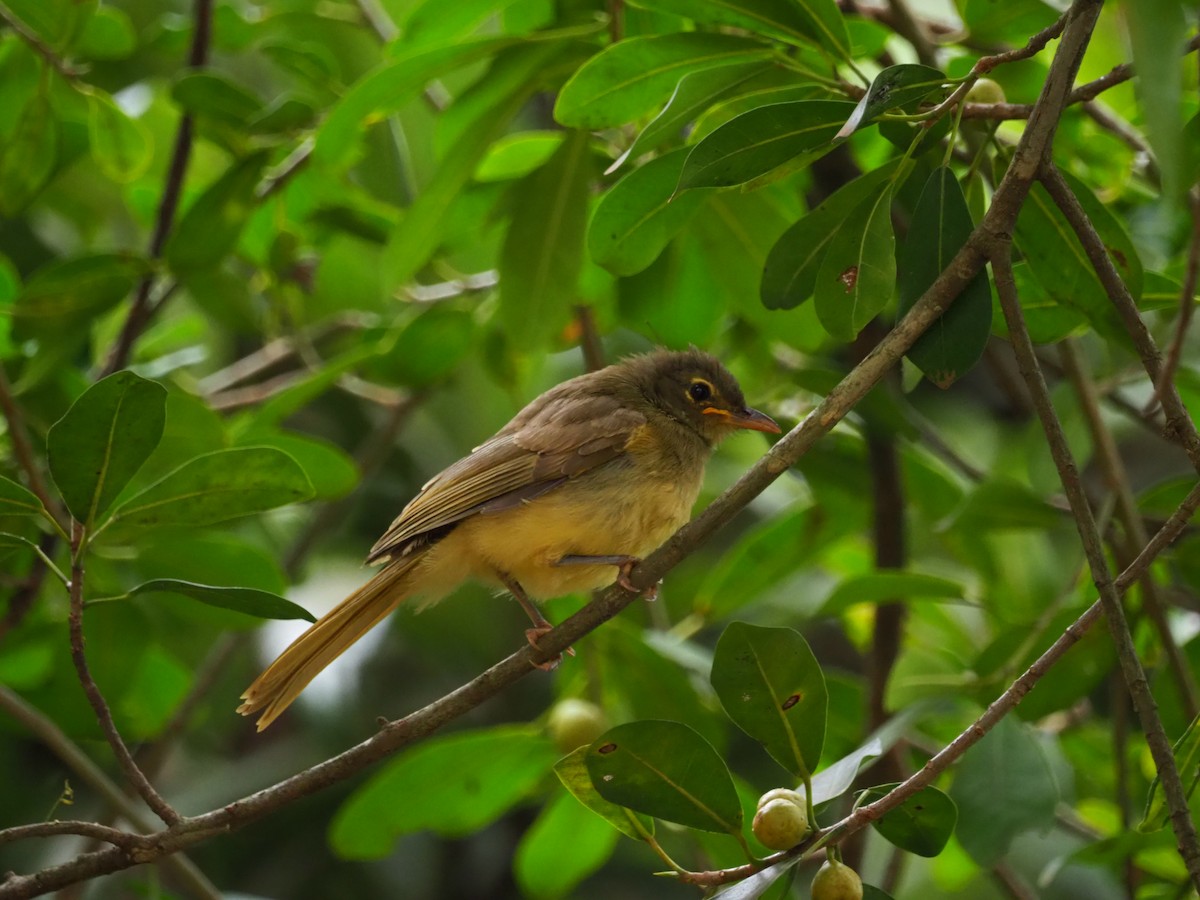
[638,216]
[796,21]
[940,226]
[108,35]
[516,155]
[894,87]
[120,145]
[573,773]
[332,472]
[28,155]
[666,770]
[252,602]
[103,440]
[452,784]
[790,273]
[55,21]
[922,824]
[210,228]
[216,487]
[431,346]
[772,688]
[216,97]
[16,500]
[66,293]
[1158,32]
[1005,786]
[695,93]
[1187,760]
[629,78]
[877,587]
[1118,243]
[857,275]
[543,249]
[761,140]
[563,846]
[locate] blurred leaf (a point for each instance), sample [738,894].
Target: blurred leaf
[16,500]
[452,784]
[857,276]
[638,216]
[252,602]
[1012,20]
[543,249]
[763,139]
[573,773]
[28,155]
[120,145]
[1004,787]
[1002,504]
[563,846]
[332,472]
[103,440]
[696,92]
[893,88]
[878,587]
[516,155]
[1187,760]
[629,78]
[771,686]
[67,292]
[210,228]
[216,97]
[431,347]
[57,22]
[797,21]
[940,226]
[216,487]
[108,35]
[790,273]
[1158,31]
[922,824]
[665,770]
[433,21]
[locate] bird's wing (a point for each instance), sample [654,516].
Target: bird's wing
[563,438]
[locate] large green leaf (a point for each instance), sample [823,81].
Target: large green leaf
[216,487]
[876,587]
[251,601]
[453,784]
[210,228]
[16,500]
[665,770]
[564,845]
[215,96]
[629,78]
[28,154]
[763,139]
[940,226]
[121,146]
[772,687]
[63,295]
[790,273]
[856,278]
[922,824]
[573,773]
[797,21]
[1158,31]
[103,440]
[542,254]
[636,219]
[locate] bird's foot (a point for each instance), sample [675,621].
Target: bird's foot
[624,566]
[532,635]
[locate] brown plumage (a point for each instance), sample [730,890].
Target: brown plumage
[593,474]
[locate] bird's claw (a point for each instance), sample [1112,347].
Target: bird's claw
[623,570]
[549,665]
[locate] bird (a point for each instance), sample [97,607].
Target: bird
[590,476]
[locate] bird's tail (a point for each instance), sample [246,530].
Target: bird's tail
[327,639]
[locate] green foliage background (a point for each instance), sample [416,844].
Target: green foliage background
[399,222]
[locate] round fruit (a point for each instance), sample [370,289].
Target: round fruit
[984,90]
[575,722]
[780,824]
[783,794]
[836,881]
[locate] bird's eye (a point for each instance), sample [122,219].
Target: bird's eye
[700,391]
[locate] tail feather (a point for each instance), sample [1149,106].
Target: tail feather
[329,637]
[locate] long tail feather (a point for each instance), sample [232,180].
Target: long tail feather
[329,637]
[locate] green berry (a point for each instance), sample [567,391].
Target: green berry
[780,823]
[984,90]
[836,881]
[575,722]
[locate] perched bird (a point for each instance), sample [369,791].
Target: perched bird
[593,474]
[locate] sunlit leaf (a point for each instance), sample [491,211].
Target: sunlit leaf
[894,87]
[818,21]
[922,824]
[121,146]
[573,773]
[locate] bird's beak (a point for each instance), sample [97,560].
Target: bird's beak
[750,419]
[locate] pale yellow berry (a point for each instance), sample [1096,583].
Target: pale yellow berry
[984,90]
[780,823]
[574,722]
[836,881]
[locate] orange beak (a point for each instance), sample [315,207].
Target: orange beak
[750,419]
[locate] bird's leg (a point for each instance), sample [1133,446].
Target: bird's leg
[541,625]
[624,566]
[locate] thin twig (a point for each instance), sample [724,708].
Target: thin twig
[1115,476]
[1131,667]
[589,338]
[57,828]
[99,705]
[18,436]
[67,70]
[1187,301]
[140,311]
